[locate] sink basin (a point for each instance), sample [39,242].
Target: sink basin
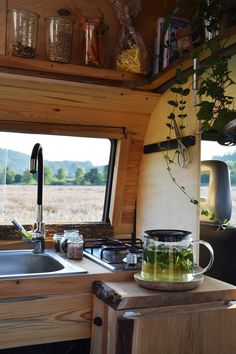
[25,263]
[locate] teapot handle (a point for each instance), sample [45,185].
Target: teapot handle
[210,249]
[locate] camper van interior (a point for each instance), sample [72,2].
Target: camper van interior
[117,177]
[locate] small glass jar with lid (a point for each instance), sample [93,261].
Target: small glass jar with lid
[75,247]
[59,32]
[57,237]
[22,29]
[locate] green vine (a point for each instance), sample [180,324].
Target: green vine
[215,107]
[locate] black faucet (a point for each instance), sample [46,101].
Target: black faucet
[36,165]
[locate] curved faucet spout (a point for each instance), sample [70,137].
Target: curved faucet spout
[36,160]
[36,165]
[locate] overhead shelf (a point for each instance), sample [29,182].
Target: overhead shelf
[163,80]
[69,72]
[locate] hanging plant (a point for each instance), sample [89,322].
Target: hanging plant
[214,110]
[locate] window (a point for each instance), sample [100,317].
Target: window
[75,178]
[211,150]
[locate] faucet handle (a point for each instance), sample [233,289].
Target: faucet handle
[26,236]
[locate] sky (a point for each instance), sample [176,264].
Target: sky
[59,148]
[210,149]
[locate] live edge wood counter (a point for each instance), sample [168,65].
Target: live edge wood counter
[128,319]
[50,309]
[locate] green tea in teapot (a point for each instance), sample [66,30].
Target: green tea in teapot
[168,256]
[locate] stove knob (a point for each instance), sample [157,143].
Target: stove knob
[131,258]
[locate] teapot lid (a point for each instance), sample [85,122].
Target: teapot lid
[167,235]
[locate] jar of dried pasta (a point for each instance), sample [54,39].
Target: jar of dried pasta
[59,32]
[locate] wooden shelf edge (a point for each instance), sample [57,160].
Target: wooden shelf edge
[164,79]
[70,72]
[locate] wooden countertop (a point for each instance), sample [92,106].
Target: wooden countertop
[81,283]
[127,294]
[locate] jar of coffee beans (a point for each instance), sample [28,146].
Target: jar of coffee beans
[22,29]
[59,31]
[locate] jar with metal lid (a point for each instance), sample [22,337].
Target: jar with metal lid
[57,237]
[59,31]
[22,29]
[69,236]
[75,247]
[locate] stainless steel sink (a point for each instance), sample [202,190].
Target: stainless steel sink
[25,263]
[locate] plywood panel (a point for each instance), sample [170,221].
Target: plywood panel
[161,204]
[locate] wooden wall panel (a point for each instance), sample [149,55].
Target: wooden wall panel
[39,105]
[125,198]
[161,205]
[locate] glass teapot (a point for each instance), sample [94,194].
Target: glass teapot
[171,256]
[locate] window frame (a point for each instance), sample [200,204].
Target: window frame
[112,134]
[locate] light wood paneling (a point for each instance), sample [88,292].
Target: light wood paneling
[51,106]
[161,204]
[184,322]
[184,330]
[51,101]
[126,295]
[43,319]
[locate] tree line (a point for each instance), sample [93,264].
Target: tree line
[61,177]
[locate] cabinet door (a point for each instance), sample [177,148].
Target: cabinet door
[202,329]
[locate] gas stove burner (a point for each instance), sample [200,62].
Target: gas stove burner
[116,255]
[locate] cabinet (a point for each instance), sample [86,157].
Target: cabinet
[128,319]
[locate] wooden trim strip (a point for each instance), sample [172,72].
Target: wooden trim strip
[63,129]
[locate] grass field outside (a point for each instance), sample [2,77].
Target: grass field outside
[61,203]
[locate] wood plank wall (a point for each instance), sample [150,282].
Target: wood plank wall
[52,106]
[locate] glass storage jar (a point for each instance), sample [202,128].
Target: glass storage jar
[75,247]
[59,32]
[22,29]
[57,237]
[94,41]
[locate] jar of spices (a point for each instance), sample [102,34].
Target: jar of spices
[59,31]
[22,29]
[75,247]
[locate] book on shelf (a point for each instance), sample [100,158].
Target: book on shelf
[158,47]
[165,45]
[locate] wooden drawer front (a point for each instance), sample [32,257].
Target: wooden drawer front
[195,330]
[44,319]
